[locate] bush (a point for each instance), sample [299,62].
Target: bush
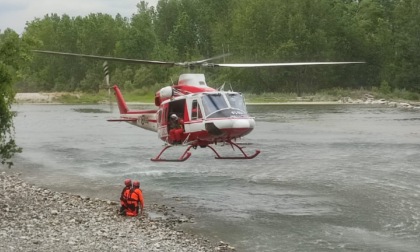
[385,88]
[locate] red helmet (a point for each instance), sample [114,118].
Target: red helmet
[127,182]
[136,184]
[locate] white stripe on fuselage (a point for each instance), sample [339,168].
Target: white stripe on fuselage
[145,121]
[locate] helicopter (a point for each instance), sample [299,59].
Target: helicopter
[207,116]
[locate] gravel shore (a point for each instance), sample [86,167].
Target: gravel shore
[37,219]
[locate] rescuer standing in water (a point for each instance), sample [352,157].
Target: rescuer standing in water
[125,195]
[131,199]
[138,196]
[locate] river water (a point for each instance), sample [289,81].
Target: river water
[329,177]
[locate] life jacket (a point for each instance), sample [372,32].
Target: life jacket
[132,203]
[125,194]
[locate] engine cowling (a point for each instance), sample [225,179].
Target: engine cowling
[163,94]
[166,92]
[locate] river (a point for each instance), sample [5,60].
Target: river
[329,177]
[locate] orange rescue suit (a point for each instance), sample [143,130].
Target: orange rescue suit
[176,130]
[136,197]
[125,194]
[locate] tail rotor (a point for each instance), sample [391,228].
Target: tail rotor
[106,73]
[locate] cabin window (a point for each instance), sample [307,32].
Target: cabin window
[160,116]
[196,111]
[163,115]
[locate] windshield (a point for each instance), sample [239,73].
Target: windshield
[215,105]
[236,101]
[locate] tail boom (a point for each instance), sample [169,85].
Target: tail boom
[145,119]
[120,100]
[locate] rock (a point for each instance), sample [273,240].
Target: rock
[51,221]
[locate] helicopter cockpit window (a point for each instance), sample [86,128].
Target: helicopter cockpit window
[236,101]
[216,106]
[213,103]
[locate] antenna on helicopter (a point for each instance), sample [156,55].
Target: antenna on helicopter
[222,87]
[231,88]
[106,73]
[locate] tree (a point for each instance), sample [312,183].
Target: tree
[10,59]
[405,67]
[184,37]
[383,33]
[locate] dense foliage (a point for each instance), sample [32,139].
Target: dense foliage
[12,56]
[383,33]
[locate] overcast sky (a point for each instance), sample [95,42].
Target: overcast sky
[15,13]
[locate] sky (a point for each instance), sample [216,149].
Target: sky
[15,13]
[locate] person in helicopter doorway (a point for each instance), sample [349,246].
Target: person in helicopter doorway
[125,195]
[176,126]
[135,200]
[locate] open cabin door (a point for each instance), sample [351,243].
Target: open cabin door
[178,108]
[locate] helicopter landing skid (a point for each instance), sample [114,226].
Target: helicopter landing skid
[187,154]
[245,156]
[182,158]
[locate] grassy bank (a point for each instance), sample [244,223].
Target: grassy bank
[102,97]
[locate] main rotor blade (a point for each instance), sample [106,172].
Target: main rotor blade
[109,58]
[284,64]
[212,58]
[199,63]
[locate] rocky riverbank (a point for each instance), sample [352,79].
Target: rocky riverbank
[370,99]
[39,97]
[38,219]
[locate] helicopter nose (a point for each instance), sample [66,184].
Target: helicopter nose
[243,124]
[213,129]
[233,128]
[248,123]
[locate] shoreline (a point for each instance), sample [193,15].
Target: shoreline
[49,98]
[36,218]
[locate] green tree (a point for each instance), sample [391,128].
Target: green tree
[384,33]
[184,37]
[11,56]
[140,37]
[166,18]
[98,34]
[405,67]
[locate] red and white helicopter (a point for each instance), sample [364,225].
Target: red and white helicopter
[210,116]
